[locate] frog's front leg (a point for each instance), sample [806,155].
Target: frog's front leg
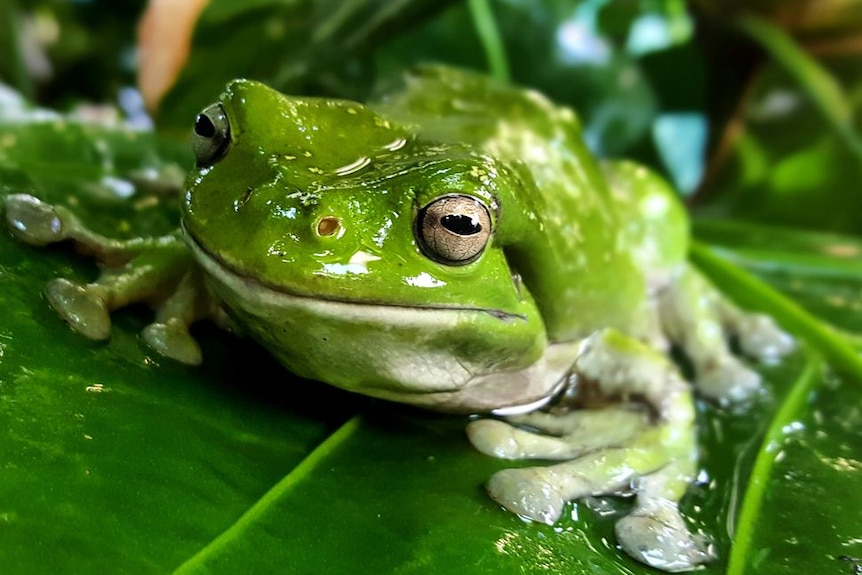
[159,271]
[654,455]
[700,320]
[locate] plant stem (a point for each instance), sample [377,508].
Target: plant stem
[823,89]
[489,34]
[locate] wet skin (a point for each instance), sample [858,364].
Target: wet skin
[451,245]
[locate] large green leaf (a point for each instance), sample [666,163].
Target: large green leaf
[115,460]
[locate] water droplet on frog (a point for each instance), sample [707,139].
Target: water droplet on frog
[353,167]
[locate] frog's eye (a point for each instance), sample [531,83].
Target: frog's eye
[453,229]
[211,135]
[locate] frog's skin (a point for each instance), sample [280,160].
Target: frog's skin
[455,246]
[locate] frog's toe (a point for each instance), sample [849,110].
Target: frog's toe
[172,339]
[504,441]
[32,221]
[82,308]
[658,536]
[494,438]
[761,338]
[524,492]
[728,381]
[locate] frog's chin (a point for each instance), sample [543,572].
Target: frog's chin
[421,356]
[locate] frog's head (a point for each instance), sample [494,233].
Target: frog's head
[345,243]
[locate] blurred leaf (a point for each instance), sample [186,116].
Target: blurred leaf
[819,86]
[68,51]
[296,46]
[806,19]
[779,160]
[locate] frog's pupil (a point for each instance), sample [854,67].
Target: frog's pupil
[461,224]
[204,126]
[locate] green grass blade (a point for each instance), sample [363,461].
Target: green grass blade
[489,34]
[817,82]
[770,449]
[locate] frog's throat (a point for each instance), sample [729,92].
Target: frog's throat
[399,353]
[221,270]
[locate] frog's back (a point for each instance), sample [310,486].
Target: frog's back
[558,222]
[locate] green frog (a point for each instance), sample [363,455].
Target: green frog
[451,245]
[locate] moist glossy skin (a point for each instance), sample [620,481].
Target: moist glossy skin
[452,245]
[565,257]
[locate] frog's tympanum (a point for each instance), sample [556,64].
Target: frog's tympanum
[452,245]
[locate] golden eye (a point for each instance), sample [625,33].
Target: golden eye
[211,138]
[453,229]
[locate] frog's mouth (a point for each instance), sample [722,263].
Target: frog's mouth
[431,356]
[227,273]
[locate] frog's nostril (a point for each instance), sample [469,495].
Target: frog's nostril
[328,226]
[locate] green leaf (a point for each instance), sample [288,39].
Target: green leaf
[486,27]
[116,460]
[814,79]
[781,425]
[790,154]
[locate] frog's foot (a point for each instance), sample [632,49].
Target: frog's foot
[540,493]
[559,437]
[758,334]
[82,306]
[172,339]
[608,451]
[169,333]
[32,221]
[655,532]
[701,321]
[728,381]
[658,536]
[159,271]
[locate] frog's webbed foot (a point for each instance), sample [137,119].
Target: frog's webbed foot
[700,320]
[608,451]
[82,306]
[655,533]
[159,271]
[758,335]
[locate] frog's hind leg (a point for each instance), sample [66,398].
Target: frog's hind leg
[700,320]
[158,270]
[560,436]
[654,456]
